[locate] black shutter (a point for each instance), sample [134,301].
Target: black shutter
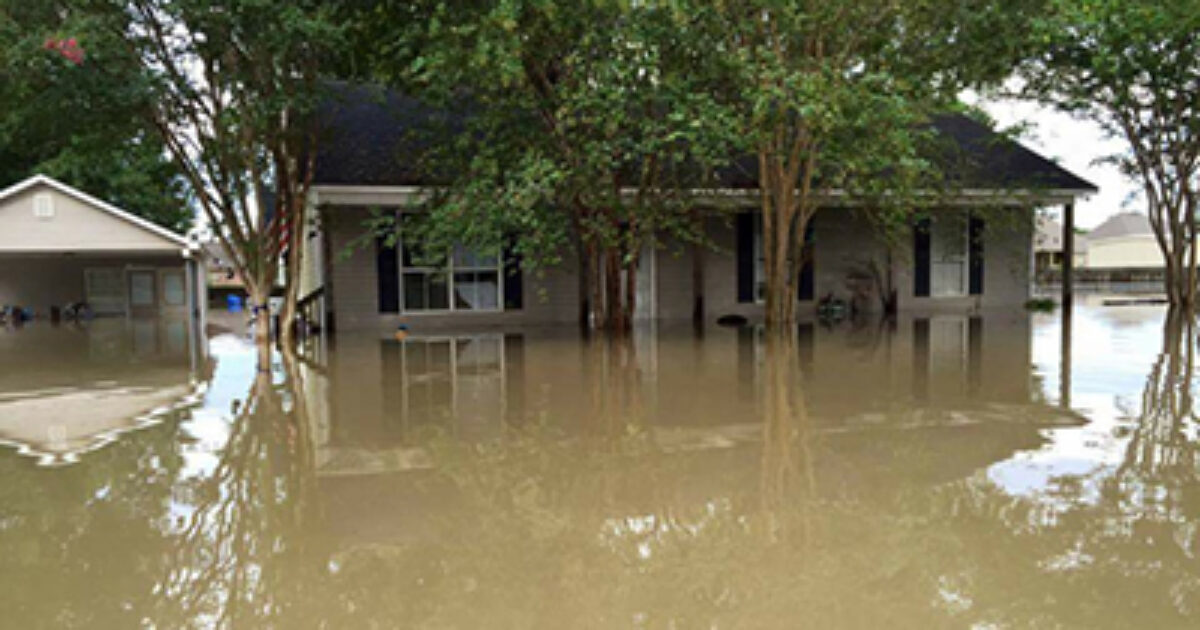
[387,273]
[745,257]
[807,274]
[514,287]
[975,256]
[922,263]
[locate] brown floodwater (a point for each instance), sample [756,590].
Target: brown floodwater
[921,473]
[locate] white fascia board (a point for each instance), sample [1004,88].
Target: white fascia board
[402,196]
[342,195]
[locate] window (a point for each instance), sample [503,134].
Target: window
[948,254]
[805,281]
[760,263]
[43,206]
[466,280]
[104,287]
[174,293]
[141,288]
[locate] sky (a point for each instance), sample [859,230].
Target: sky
[1076,145]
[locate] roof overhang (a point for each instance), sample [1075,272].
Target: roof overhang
[349,195]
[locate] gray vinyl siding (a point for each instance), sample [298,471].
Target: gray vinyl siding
[844,241]
[550,296]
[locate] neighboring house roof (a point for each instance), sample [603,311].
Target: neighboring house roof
[1123,225]
[374,137]
[103,206]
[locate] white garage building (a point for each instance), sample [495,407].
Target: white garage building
[60,246]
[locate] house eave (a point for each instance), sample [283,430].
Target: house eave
[725,198]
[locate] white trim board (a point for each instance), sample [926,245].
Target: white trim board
[96,203]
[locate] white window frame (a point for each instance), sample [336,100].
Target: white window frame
[449,270]
[412,381]
[89,281]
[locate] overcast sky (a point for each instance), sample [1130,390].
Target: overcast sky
[1075,144]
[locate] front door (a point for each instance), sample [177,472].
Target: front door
[143,292]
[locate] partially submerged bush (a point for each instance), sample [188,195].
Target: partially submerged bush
[1041,305]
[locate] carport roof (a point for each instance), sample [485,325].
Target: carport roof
[79,195]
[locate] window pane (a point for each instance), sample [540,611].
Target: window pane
[439,292]
[477,290]
[141,288]
[464,291]
[948,255]
[488,289]
[464,257]
[173,292]
[414,292]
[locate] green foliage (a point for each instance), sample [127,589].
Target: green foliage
[1133,67]
[1040,305]
[579,122]
[81,123]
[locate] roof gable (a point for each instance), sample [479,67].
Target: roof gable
[1122,225]
[79,222]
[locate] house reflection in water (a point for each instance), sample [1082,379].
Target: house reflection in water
[70,389]
[917,399]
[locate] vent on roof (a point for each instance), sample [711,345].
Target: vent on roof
[43,206]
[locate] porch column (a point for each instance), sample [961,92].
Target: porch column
[1068,291]
[1068,253]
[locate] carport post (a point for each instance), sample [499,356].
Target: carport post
[1068,253]
[1068,290]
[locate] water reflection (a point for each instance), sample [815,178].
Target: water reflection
[854,475]
[69,389]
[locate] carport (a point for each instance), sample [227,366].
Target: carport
[60,246]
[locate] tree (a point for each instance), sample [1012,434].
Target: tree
[1133,67]
[60,118]
[578,128]
[230,88]
[833,100]
[235,85]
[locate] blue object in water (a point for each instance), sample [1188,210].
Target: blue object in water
[234,303]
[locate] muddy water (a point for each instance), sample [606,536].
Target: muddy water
[942,472]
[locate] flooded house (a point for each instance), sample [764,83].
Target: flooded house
[62,248]
[973,251]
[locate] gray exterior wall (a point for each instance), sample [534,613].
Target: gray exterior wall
[844,242]
[551,298]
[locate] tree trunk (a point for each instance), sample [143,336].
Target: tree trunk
[260,292]
[628,309]
[697,285]
[613,307]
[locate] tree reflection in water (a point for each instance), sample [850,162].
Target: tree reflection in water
[238,557]
[1131,532]
[623,524]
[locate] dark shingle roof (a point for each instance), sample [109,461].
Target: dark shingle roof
[981,158]
[374,137]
